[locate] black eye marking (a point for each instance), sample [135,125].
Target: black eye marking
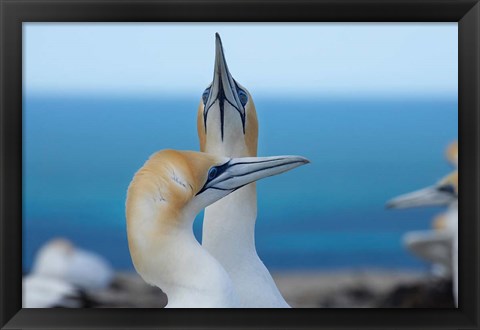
[448,188]
[213,173]
[217,170]
[205,95]
[243,97]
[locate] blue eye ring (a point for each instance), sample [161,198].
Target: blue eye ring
[243,97]
[212,173]
[205,95]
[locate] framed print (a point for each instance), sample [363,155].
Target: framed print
[201,164]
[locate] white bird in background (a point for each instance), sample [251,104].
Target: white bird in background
[227,126]
[163,199]
[441,244]
[60,274]
[60,259]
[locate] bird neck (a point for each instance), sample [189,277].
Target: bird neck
[189,275]
[166,254]
[229,223]
[229,226]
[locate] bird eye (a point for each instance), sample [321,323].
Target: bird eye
[447,188]
[205,95]
[243,97]
[212,173]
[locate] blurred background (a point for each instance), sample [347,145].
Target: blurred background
[373,106]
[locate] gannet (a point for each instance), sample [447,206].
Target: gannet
[444,193]
[60,259]
[163,199]
[62,274]
[227,126]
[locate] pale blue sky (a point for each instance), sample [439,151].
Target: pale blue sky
[291,59]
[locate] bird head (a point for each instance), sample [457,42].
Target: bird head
[190,181]
[227,120]
[443,193]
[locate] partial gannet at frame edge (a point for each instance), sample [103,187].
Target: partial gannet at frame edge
[444,193]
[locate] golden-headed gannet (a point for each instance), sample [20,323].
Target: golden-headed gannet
[444,193]
[60,259]
[227,126]
[163,199]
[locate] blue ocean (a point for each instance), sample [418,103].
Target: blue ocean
[81,151]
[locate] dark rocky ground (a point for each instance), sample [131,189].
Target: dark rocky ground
[308,290]
[129,291]
[366,290]
[423,294]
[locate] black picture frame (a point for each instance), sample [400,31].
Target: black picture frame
[15,12]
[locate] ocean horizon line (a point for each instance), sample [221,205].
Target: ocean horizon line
[168,95]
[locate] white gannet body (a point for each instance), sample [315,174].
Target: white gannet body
[163,199]
[48,292]
[60,259]
[431,246]
[441,245]
[227,126]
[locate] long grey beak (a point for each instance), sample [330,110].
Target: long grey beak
[223,90]
[223,82]
[221,74]
[430,196]
[238,172]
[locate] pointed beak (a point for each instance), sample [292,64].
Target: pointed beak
[430,196]
[221,68]
[222,79]
[239,172]
[223,88]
